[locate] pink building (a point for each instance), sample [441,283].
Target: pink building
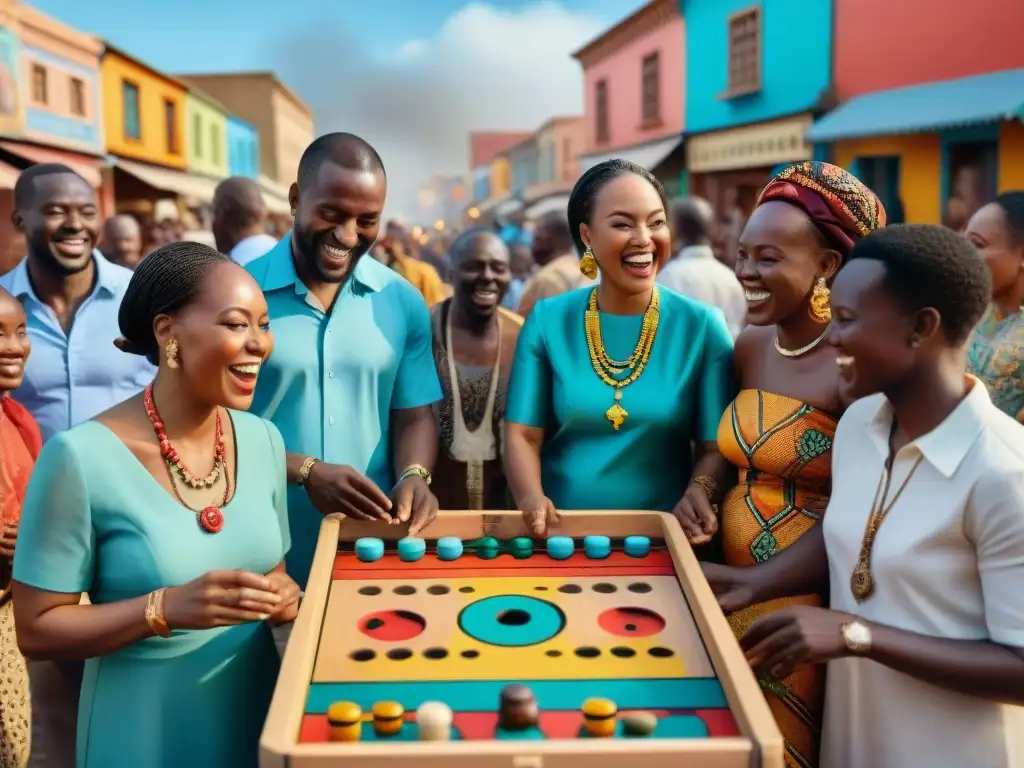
[634,79]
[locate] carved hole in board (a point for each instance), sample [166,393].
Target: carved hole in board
[399,654]
[623,652]
[659,652]
[369,591]
[588,652]
[405,589]
[435,653]
[570,589]
[466,590]
[392,626]
[631,622]
[640,587]
[514,617]
[363,654]
[605,588]
[471,653]
[438,589]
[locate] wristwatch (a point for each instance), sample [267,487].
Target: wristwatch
[305,469]
[857,637]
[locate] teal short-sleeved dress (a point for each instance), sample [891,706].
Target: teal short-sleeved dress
[95,520]
[680,397]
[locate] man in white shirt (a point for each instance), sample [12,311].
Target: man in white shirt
[695,272]
[239,220]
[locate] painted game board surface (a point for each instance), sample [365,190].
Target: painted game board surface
[458,632]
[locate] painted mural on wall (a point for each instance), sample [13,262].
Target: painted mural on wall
[9,44]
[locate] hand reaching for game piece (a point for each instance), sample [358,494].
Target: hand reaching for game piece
[414,503]
[285,587]
[220,598]
[794,637]
[539,512]
[336,488]
[696,515]
[731,585]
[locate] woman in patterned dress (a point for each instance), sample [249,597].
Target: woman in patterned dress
[994,353]
[778,431]
[20,443]
[474,342]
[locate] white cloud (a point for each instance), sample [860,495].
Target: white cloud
[485,69]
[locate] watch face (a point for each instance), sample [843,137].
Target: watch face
[857,634]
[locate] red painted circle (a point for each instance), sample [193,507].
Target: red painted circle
[211,519]
[392,626]
[631,622]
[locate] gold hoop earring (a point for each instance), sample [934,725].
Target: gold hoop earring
[588,265]
[819,307]
[171,353]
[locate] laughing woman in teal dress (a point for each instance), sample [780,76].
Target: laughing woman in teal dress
[995,350]
[169,511]
[613,385]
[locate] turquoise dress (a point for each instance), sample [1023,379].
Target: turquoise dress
[95,520]
[680,397]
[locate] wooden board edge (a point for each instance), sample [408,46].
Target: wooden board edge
[744,694]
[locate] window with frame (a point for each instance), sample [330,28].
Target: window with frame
[40,94]
[171,126]
[132,120]
[745,52]
[77,95]
[651,88]
[601,112]
[197,135]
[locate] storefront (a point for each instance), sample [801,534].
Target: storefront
[665,158]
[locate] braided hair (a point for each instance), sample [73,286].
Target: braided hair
[589,186]
[166,280]
[1012,204]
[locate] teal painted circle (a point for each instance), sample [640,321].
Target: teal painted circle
[511,621]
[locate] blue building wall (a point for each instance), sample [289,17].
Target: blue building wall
[796,55]
[482,183]
[524,168]
[243,149]
[43,121]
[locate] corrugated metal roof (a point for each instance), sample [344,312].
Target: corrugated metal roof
[932,106]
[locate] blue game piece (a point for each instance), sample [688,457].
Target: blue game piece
[597,547]
[637,546]
[449,548]
[411,549]
[559,547]
[369,549]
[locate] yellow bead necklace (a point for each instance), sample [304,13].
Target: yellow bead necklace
[606,368]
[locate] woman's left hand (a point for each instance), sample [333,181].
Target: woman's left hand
[284,585]
[795,637]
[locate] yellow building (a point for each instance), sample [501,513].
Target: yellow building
[501,176]
[919,146]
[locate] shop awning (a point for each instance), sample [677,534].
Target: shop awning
[198,188]
[86,167]
[649,155]
[275,196]
[929,107]
[545,205]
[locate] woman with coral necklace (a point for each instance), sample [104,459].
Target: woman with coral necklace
[169,511]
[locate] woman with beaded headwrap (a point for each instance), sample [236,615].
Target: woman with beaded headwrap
[169,510]
[778,431]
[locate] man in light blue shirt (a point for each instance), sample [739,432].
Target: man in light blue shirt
[239,220]
[352,378]
[71,295]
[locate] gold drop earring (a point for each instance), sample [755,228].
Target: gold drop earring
[171,353]
[588,265]
[820,307]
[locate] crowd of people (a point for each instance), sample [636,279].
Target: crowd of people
[174,429]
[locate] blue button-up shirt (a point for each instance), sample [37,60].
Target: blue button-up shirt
[69,378]
[334,377]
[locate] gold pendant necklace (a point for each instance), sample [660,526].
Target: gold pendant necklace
[862,583]
[606,368]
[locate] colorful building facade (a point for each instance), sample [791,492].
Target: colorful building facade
[931,120]
[206,131]
[757,73]
[243,148]
[484,149]
[633,80]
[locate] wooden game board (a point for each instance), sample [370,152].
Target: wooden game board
[646,633]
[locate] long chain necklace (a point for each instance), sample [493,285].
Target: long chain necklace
[802,350]
[862,583]
[606,368]
[211,518]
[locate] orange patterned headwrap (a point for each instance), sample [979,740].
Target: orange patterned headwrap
[839,205]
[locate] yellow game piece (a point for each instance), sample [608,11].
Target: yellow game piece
[599,717]
[345,720]
[388,717]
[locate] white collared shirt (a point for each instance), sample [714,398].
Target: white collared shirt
[948,561]
[697,274]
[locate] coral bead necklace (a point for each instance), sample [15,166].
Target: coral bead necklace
[211,518]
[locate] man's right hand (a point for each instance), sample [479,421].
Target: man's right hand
[334,488]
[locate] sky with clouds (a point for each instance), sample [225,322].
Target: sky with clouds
[411,76]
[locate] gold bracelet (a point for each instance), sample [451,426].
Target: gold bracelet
[708,484]
[155,614]
[417,470]
[305,469]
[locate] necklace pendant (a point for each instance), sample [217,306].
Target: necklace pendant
[861,583]
[616,415]
[211,520]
